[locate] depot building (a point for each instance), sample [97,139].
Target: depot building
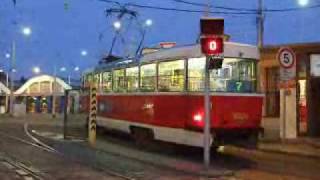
[39,94]
[4,93]
[293,113]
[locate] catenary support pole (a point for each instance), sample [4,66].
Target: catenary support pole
[65,117]
[206,131]
[207,134]
[54,91]
[12,71]
[260,24]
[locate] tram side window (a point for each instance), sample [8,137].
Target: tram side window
[84,79]
[132,78]
[196,68]
[119,83]
[236,75]
[96,78]
[107,81]
[89,79]
[218,79]
[148,77]
[171,76]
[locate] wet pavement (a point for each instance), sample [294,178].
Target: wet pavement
[44,164]
[119,154]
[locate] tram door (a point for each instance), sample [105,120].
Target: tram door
[302,107]
[314,108]
[313,97]
[44,105]
[31,104]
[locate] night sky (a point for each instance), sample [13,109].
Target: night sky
[59,34]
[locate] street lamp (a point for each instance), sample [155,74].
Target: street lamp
[117,25]
[63,69]
[36,70]
[148,22]
[303,2]
[76,68]
[84,53]
[26,31]
[8,55]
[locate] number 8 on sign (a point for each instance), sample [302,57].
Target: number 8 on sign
[286,58]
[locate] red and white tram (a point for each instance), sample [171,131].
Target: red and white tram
[161,96]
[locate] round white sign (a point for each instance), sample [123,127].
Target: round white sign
[286,58]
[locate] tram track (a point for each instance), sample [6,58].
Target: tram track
[38,144]
[22,169]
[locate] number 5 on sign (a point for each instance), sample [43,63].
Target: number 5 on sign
[287,61]
[286,58]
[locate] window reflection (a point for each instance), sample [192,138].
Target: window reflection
[196,74]
[132,78]
[119,83]
[171,76]
[236,75]
[148,77]
[107,81]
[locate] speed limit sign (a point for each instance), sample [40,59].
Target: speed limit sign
[286,57]
[287,61]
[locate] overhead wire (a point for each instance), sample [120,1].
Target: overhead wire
[177,9]
[245,9]
[189,10]
[228,10]
[216,7]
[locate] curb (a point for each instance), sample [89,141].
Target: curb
[313,156]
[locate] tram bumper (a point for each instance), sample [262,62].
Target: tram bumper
[242,137]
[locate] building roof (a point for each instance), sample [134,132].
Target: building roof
[4,89]
[310,46]
[41,78]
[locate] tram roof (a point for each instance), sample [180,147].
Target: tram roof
[231,49]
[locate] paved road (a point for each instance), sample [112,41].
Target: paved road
[45,164]
[119,154]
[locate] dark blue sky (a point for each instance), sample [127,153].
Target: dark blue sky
[59,35]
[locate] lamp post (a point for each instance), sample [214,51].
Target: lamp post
[13,59]
[7,55]
[54,85]
[64,69]
[261,18]
[26,31]
[76,69]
